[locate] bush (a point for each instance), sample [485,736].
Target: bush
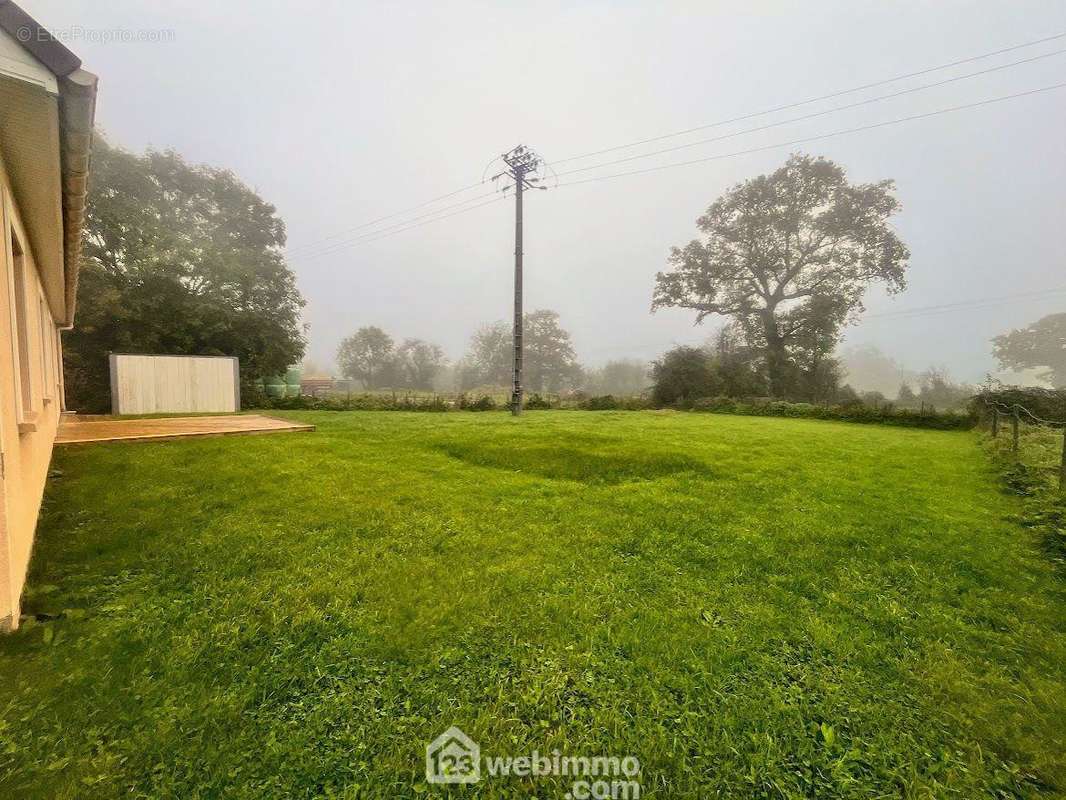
[1043,503]
[752,406]
[252,394]
[887,415]
[483,403]
[681,376]
[536,402]
[635,403]
[1045,403]
[604,402]
[353,402]
[721,404]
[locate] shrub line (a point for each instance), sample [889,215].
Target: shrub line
[754,407]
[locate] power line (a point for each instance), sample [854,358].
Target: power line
[812,115]
[816,138]
[405,226]
[496,199]
[829,96]
[901,314]
[390,216]
[965,305]
[303,249]
[385,235]
[332,248]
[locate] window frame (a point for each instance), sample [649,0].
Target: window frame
[47,357]
[18,285]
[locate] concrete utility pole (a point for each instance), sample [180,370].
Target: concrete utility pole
[521,163]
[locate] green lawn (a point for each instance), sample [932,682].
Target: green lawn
[752,607]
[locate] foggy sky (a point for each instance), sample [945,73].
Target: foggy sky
[341,112]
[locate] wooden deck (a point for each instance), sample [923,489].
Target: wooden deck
[81,430]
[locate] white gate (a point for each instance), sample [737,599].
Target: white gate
[151,384]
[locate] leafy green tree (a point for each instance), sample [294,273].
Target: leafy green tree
[1040,346]
[683,375]
[489,361]
[788,257]
[367,356]
[906,396]
[548,361]
[937,390]
[181,259]
[735,364]
[418,363]
[620,377]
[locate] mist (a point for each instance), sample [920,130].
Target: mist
[341,113]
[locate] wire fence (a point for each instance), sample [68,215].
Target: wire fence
[1039,435]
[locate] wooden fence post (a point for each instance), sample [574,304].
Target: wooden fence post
[1062,464]
[995,422]
[1014,431]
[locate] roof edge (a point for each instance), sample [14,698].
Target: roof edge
[77,111]
[37,40]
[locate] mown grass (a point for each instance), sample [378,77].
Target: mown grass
[753,607]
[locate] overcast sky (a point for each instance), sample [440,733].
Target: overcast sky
[341,112]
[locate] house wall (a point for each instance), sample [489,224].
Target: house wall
[30,401]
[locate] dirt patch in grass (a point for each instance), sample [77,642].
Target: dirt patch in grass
[562,463]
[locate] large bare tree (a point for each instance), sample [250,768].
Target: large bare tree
[787,256]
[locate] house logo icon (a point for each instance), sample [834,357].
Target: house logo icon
[453,757]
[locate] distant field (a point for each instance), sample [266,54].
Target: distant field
[752,607]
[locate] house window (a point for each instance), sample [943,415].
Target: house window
[47,354]
[57,361]
[21,335]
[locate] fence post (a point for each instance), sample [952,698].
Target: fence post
[1014,431]
[995,422]
[1062,464]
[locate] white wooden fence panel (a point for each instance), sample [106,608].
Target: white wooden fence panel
[149,384]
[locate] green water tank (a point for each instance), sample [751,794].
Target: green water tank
[274,386]
[292,381]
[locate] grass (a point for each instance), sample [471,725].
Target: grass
[753,607]
[1034,475]
[1039,449]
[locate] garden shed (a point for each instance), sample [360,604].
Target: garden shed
[165,384]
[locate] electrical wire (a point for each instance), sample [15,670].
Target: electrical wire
[374,238]
[311,246]
[346,231]
[985,302]
[812,115]
[902,314]
[816,138]
[829,96]
[404,225]
[332,248]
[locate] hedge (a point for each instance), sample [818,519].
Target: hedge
[753,407]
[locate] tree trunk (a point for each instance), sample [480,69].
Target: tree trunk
[776,355]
